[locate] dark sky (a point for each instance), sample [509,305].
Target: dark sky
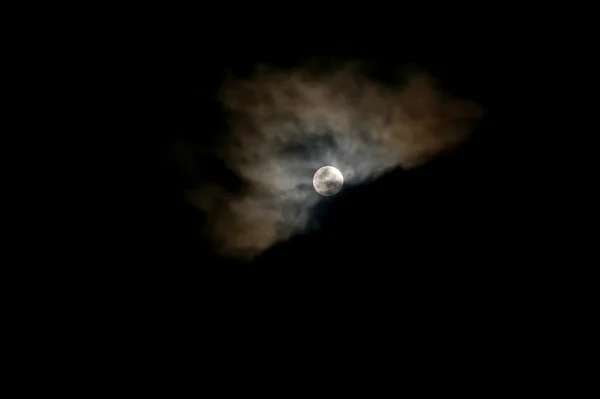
[454,227]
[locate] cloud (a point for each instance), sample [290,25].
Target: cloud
[286,124]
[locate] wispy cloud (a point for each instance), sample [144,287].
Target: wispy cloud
[284,125]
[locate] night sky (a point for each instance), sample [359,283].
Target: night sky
[449,230]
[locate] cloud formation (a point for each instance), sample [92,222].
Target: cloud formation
[286,124]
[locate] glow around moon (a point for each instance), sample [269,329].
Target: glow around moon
[328,181]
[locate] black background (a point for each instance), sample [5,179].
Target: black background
[454,235]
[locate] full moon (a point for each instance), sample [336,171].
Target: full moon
[328,181]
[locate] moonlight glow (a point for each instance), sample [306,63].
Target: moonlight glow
[283,125]
[328,181]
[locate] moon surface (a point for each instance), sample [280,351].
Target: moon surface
[328,181]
